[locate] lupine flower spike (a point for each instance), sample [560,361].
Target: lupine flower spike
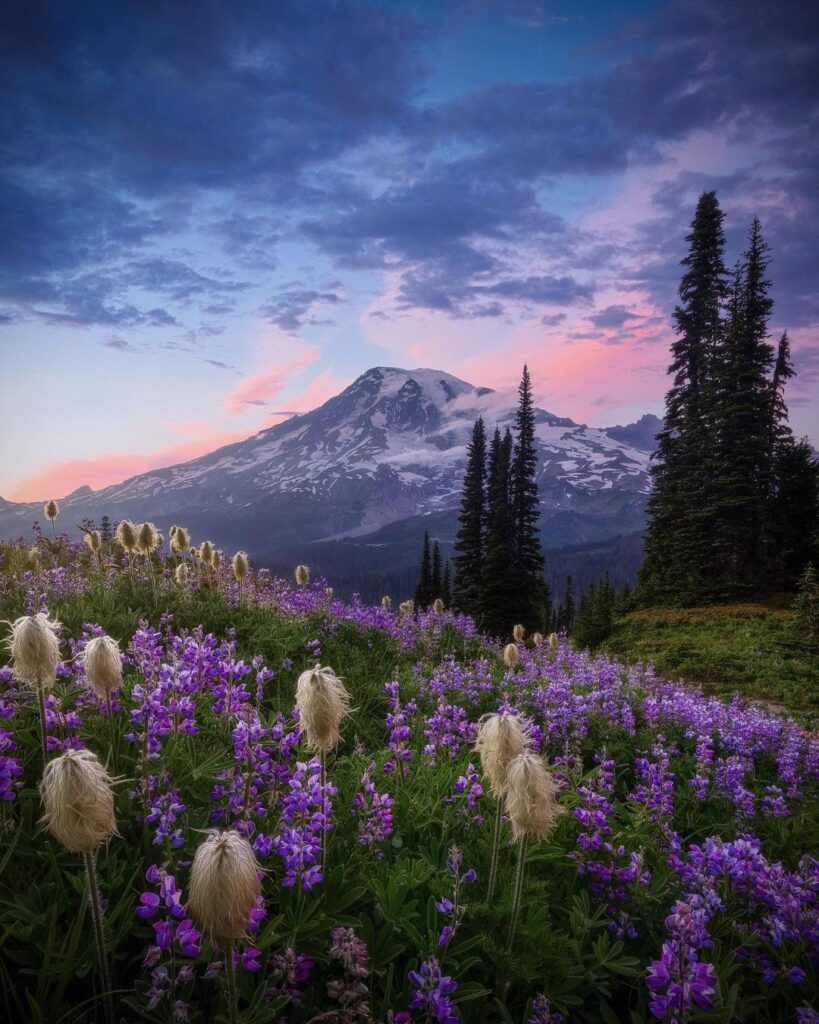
[78,805]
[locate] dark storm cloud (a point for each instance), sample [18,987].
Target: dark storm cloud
[140,110]
[117,119]
[613,316]
[291,309]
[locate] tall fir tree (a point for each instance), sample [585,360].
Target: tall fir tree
[436,582]
[423,590]
[470,542]
[446,587]
[675,564]
[499,584]
[531,594]
[736,504]
[566,608]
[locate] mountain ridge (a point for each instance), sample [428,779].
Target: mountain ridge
[385,454]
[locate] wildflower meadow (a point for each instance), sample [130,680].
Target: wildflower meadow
[227,796]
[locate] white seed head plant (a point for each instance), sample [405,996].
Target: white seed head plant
[127,536]
[386,603]
[224,885]
[78,801]
[240,566]
[500,739]
[531,797]
[103,665]
[511,655]
[51,510]
[302,575]
[438,606]
[518,633]
[323,702]
[35,650]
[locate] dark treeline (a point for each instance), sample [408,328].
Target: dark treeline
[735,505]
[499,563]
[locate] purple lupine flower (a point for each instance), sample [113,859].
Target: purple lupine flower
[351,991]
[306,813]
[286,975]
[542,1012]
[431,991]
[374,813]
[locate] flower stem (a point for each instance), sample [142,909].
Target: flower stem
[230,974]
[518,893]
[493,867]
[43,733]
[112,726]
[99,935]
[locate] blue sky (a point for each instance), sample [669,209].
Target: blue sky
[213,215]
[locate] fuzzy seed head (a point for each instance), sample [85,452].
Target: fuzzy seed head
[499,741]
[206,552]
[407,607]
[386,603]
[51,510]
[518,633]
[93,539]
[180,539]
[328,593]
[216,560]
[554,640]
[127,535]
[33,558]
[35,650]
[302,575]
[147,538]
[240,566]
[172,530]
[323,703]
[181,574]
[78,801]
[511,655]
[537,639]
[103,665]
[438,606]
[224,884]
[531,797]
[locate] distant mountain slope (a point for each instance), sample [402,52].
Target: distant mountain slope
[388,451]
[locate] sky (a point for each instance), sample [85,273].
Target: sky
[214,215]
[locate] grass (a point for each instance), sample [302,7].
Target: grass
[749,649]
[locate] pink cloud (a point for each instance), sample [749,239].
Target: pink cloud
[60,478]
[322,387]
[259,389]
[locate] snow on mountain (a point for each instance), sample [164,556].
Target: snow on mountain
[390,447]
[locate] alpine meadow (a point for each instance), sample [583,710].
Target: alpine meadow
[479,692]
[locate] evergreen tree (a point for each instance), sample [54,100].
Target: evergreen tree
[446,589]
[470,542]
[737,502]
[675,564]
[499,584]
[423,590]
[806,606]
[437,579]
[795,511]
[566,609]
[527,554]
[780,431]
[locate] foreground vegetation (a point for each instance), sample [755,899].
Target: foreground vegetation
[676,885]
[751,650]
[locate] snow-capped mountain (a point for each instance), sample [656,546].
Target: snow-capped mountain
[389,449]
